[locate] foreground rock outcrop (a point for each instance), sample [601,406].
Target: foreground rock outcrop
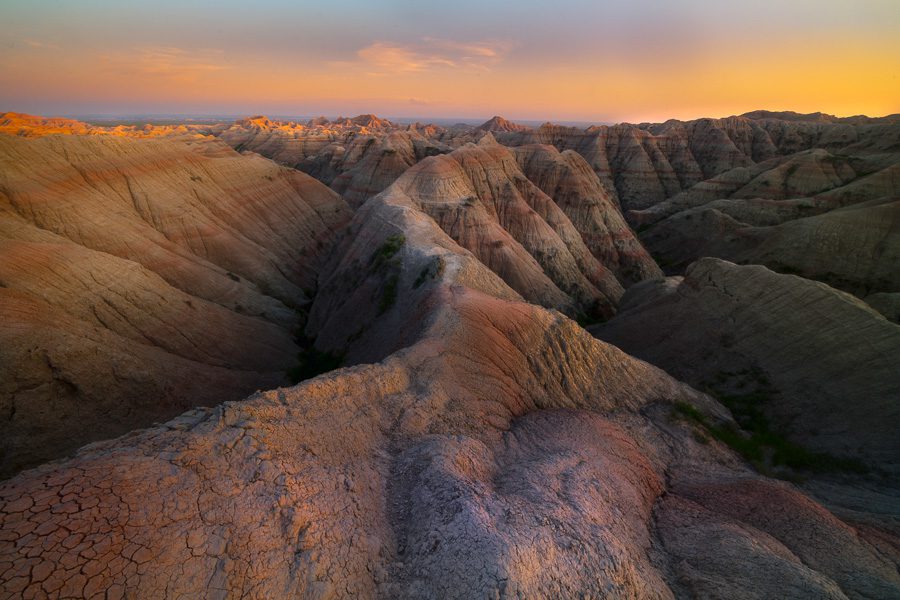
[499,451]
[139,278]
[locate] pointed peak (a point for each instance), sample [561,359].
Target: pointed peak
[498,123]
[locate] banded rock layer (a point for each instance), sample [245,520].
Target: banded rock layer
[831,359]
[480,445]
[502,451]
[643,165]
[139,278]
[482,199]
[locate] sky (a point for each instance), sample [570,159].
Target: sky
[563,60]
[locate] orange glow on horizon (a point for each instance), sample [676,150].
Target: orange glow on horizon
[438,77]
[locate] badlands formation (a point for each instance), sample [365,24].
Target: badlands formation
[477,441]
[140,278]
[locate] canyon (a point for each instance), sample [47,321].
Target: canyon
[356,358]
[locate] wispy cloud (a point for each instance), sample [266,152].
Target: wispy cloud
[431,54]
[39,44]
[168,62]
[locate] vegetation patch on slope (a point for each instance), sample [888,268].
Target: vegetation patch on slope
[383,255]
[756,439]
[384,260]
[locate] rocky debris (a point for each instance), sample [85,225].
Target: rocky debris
[139,278]
[501,451]
[818,362]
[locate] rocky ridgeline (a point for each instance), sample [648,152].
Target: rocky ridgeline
[476,443]
[758,188]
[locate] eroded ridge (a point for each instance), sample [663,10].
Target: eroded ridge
[501,451]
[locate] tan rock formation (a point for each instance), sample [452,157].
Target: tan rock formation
[286,143]
[481,198]
[368,165]
[143,277]
[20,124]
[643,165]
[504,451]
[569,181]
[23,125]
[357,157]
[478,445]
[825,214]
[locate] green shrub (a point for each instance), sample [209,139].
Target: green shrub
[387,250]
[389,294]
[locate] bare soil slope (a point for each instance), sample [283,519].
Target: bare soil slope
[139,278]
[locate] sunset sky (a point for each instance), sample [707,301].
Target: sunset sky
[586,60]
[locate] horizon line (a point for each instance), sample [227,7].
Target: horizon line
[410,118]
